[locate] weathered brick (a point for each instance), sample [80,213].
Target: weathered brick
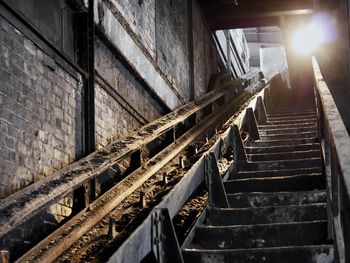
[27,111]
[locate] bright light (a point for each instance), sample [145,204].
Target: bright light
[322,29]
[307,39]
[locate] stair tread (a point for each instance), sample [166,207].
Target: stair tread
[261,199]
[276,184]
[277,173]
[281,164]
[261,235]
[281,148]
[289,130]
[259,248]
[286,125]
[289,254]
[289,142]
[293,155]
[266,214]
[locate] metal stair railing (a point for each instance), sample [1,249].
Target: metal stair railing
[335,147]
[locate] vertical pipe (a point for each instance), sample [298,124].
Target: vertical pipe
[228,51]
[190,48]
[89,98]
[90,87]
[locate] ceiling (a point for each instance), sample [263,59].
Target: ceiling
[227,14]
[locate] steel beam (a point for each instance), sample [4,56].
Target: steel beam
[252,124]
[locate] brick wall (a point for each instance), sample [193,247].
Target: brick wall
[41,102]
[112,120]
[40,112]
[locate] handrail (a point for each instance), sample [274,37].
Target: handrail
[336,147]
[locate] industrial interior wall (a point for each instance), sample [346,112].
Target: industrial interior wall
[142,63]
[334,61]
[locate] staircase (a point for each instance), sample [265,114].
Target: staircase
[274,204]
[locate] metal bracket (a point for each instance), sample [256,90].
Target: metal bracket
[239,153]
[252,125]
[217,194]
[164,241]
[267,100]
[261,111]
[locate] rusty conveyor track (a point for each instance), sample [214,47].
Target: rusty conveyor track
[19,211]
[61,240]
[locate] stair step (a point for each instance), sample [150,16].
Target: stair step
[283,156]
[291,122]
[288,136]
[294,110]
[282,148]
[292,254]
[276,184]
[282,164]
[290,142]
[290,114]
[291,117]
[265,215]
[275,173]
[257,199]
[270,126]
[273,131]
[264,235]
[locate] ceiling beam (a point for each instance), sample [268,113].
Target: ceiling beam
[219,23]
[258,8]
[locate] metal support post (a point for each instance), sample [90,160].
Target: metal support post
[89,93]
[260,111]
[217,194]
[165,246]
[267,100]
[239,153]
[251,124]
[190,49]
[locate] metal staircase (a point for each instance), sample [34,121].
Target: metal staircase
[283,198]
[273,206]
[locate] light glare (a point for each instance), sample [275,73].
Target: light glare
[322,29]
[307,39]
